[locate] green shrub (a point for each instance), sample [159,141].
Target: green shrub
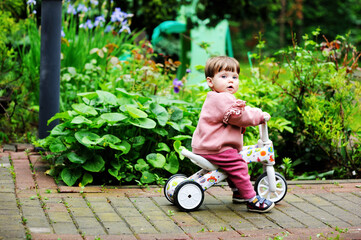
[118,138]
[322,99]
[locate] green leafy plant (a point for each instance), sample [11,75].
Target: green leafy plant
[120,137]
[322,97]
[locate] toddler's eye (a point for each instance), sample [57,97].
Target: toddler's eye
[224,76]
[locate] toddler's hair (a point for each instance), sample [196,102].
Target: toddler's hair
[220,63]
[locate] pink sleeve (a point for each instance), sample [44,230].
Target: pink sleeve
[243,116]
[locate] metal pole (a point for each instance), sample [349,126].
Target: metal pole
[49,64]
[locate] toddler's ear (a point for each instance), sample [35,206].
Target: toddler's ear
[210,82]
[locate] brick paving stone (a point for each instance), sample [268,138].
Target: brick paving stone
[56,217]
[112,237]
[284,220]
[232,218]
[140,225]
[209,220]
[86,223]
[120,202]
[306,219]
[117,227]
[166,236]
[65,228]
[18,156]
[216,235]
[42,236]
[345,216]
[351,197]
[12,234]
[81,212]
[166,226]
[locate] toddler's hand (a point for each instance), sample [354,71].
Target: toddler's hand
[266,116]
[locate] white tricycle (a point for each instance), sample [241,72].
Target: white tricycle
[187,193]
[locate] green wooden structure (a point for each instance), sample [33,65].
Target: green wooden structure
[192,54]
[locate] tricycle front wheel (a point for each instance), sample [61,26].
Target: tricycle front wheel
[262,187]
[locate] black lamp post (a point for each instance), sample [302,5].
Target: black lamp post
[49,64]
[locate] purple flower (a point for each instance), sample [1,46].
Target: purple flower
[118,15]
[177,85]
[108,28]
[31,2]
[71,9]
[82,8]
[87,25]
[62,33]
[125,27]
[99,21]
[94,2]
[188,70]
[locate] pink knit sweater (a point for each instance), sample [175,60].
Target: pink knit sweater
[221,122]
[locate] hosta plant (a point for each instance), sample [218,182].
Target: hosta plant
[122,137]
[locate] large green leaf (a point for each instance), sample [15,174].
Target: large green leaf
[181,137]
[177,114]
[160,112]
[162,147]
[60,130]
[172,164]
[114,173]
[135,96]
[147,177]
[157,160]
[84,109]
[178,148]
[88,95]
[80,120]
[70,176]
[137,141]
[174,125]
[107,97]
[141,165]
[62,115]
[160,131]
[94,164]
[113,117]
[87,178]
[109,138]
[124,146]
[75,158]
[87,138]
[135,112]
[142,122]
[57,146]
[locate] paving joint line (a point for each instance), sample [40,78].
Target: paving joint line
[94,213]
[73,218]
[18,203]
[215,214]
[125,221]
[144,216]
[297,220]
[39,196]
[320,219]
[171,218]
[342,208]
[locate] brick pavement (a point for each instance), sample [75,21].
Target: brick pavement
[32,206]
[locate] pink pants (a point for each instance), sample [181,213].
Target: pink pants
[237,170]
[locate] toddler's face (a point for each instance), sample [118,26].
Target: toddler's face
[224,81]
